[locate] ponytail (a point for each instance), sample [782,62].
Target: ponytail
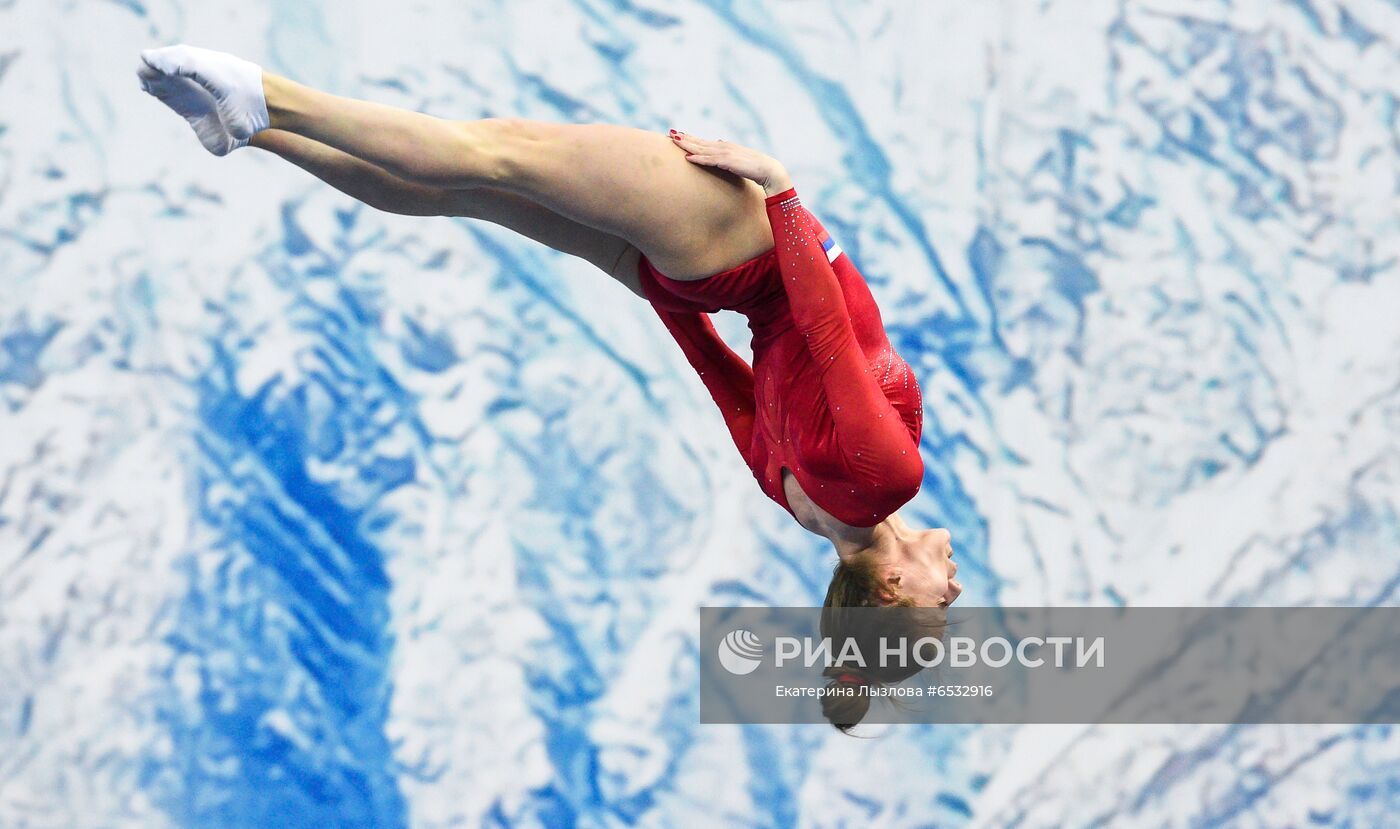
[847,697]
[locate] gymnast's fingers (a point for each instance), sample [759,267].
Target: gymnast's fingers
[692,143]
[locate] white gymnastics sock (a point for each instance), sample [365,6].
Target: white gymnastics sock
[193,103]
[236,84]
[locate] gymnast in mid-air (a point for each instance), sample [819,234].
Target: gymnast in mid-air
[828,417]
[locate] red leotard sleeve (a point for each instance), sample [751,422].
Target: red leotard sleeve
[726,376]
[871,437]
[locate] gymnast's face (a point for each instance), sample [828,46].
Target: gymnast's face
[922,568]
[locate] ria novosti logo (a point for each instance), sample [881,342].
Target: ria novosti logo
[740,652]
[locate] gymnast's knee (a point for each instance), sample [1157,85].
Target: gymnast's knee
[504,150]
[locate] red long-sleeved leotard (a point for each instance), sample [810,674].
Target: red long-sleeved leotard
[827,397]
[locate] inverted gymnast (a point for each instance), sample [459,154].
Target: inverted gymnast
[829,416]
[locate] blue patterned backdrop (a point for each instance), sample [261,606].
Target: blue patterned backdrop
[316,516]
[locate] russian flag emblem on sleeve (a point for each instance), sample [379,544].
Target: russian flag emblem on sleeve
[832,249]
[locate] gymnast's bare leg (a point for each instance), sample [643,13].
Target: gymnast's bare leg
[381,190]
[625,182]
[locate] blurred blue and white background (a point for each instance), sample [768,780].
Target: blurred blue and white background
[316,516]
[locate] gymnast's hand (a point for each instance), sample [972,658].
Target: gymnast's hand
[737,159]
